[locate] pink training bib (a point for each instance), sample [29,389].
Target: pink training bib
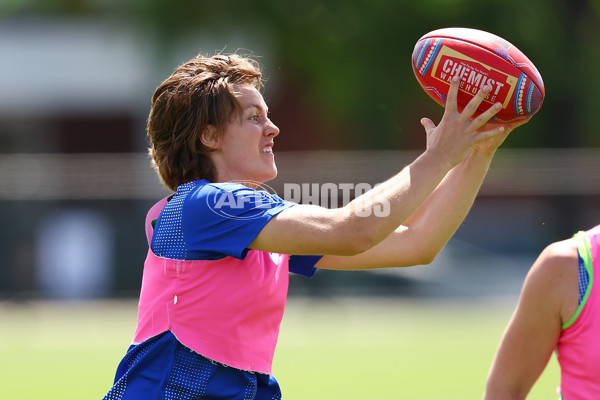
[578,348]
[228,310]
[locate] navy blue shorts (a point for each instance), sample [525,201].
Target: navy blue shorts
[162,368]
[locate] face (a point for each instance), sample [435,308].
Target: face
[245,152]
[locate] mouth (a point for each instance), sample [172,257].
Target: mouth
[267,149]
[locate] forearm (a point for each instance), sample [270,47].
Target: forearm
[428,229]
[381,210]
[439,217]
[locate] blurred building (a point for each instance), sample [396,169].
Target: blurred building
[73,102]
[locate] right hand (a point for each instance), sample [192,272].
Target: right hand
[454,138]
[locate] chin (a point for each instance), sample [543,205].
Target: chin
[269,178]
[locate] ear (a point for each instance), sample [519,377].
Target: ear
[210,138]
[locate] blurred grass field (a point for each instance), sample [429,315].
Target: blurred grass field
[351,349]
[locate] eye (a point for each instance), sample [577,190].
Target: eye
[255,117]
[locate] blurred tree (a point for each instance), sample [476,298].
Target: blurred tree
[350,60]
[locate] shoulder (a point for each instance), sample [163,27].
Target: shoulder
[556,262]
[557,254]
[555,277]
[227,192]
[204,195]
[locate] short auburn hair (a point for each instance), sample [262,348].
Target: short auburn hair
[198,94]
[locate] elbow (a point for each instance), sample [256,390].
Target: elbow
[430,253]
[425,247]
[494,392]
[424,254]
[426,258]
[502,386]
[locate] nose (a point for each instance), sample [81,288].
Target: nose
[271,130]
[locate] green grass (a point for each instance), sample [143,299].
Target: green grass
[328,349]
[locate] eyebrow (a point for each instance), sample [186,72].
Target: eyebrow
[257,106]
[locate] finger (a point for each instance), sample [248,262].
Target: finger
[427,124]
[475,102]
[481,136]
[451,99]
[484,117]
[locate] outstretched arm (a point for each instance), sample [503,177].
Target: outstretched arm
[430,227]
[549,298]
[346,231]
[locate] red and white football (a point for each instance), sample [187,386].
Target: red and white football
[478,58]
